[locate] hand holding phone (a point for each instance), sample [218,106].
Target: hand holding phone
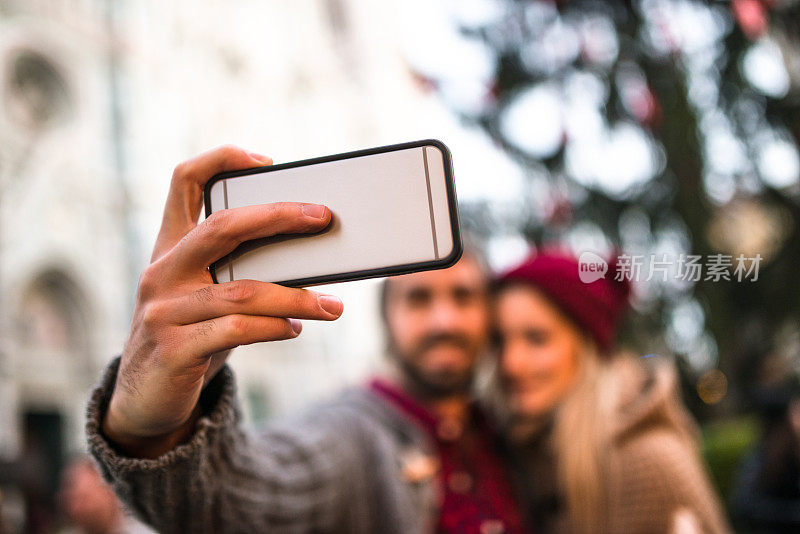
[184,324]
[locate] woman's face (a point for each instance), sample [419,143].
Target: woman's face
[539,350]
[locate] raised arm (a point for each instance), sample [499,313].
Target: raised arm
[184,325]
[307,475]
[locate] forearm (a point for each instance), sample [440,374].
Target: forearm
[165,480]
[220,477]
[146,447]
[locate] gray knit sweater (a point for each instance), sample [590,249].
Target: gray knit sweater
[340,468]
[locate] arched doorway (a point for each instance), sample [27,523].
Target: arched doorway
[52,370]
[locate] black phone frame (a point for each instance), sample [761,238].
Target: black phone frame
[392,270]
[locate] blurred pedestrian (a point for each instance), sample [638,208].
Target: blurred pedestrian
[602,441]
[90,504]
[767,493]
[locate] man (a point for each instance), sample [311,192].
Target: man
[406,454]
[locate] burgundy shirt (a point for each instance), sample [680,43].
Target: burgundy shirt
[475,493]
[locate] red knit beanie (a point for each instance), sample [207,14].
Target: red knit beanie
[597,306]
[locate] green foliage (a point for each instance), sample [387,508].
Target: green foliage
[725,443]
[698,88]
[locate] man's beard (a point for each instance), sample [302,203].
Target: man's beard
[435,385]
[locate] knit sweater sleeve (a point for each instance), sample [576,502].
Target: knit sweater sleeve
[663,484]
[227,479]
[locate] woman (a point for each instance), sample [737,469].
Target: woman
[603,443]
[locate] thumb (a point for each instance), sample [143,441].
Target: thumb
[185,198]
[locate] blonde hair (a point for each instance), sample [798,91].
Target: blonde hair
[581,434]
[582,430]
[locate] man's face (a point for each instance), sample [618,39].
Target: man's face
[438,323]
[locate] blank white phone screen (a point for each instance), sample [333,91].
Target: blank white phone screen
[389,209]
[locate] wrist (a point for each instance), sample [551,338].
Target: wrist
[149,446]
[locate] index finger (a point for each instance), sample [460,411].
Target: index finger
[226,229]
[185,198]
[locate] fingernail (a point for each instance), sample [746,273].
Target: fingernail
[266,160]
[331,304]
[314,210]
[297,326]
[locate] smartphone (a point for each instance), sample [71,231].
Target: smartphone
[393,209]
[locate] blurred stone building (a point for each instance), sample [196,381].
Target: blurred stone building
[63,274]
[99,99]
[64,280]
